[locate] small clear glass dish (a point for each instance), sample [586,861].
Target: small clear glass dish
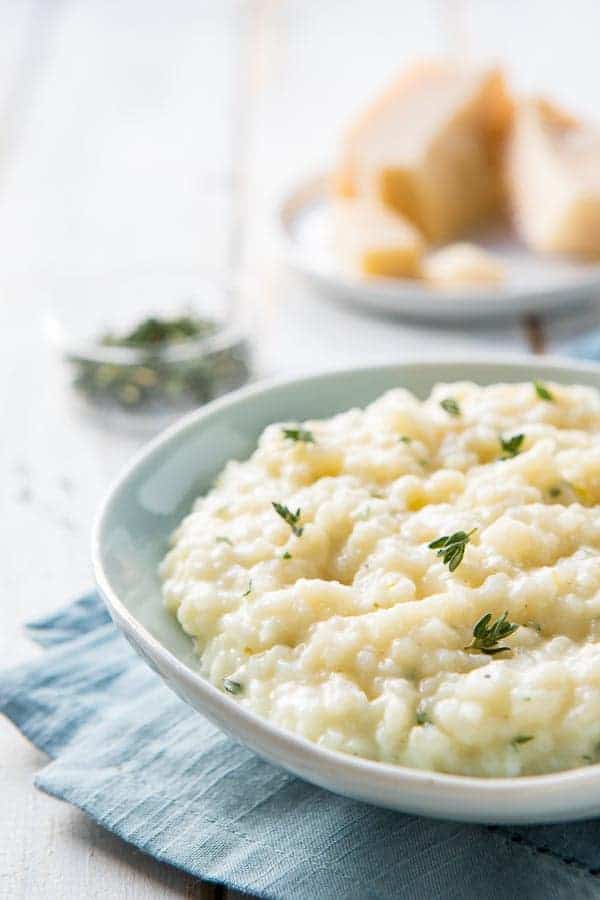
[145,360]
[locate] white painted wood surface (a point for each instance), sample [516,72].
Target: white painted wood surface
[144,137]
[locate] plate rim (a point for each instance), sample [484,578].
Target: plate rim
[306,754]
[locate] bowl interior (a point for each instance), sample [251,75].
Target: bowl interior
[159,488]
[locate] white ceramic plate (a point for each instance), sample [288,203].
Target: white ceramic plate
[533,283]
[130,537]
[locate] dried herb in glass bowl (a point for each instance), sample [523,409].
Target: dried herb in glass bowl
[160,362]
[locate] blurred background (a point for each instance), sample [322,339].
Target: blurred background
[144,147]
[143,138]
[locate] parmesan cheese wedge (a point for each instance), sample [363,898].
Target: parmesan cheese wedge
[553,180]
[371,240]
[429,148]
[459,265]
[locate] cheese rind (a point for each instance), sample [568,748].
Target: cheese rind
[552,174]
[370,240]
[429,148]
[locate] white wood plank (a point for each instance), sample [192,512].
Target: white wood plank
[125,154]
[48,849]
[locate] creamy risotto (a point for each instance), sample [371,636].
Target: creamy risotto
[308,580]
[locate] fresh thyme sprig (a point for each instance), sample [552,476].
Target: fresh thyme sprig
[521,739]
[451,547]
[249,588]
[299,434]
[543,392]
[450,405]
[511,446]
[486,636]
[292,518]
[232,687]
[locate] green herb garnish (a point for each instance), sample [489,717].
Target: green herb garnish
[223,540]
[232,687]
[405,439]
[422,717]
[511,446]
[542,391]
[299,434]
[249,590]
[452,547]
[286,555]
[521,739]
[485,638]
[290,517]
[451,406]
[555,492]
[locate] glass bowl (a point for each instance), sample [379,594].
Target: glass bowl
[145,357]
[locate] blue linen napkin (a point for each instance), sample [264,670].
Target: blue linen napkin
[148,768]
[586,346]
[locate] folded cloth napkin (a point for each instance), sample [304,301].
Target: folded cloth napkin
[147,767]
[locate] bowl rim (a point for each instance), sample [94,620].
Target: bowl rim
[289,744]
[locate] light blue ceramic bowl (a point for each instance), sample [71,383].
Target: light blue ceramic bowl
[157,490]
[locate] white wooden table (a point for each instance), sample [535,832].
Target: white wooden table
[152,137]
